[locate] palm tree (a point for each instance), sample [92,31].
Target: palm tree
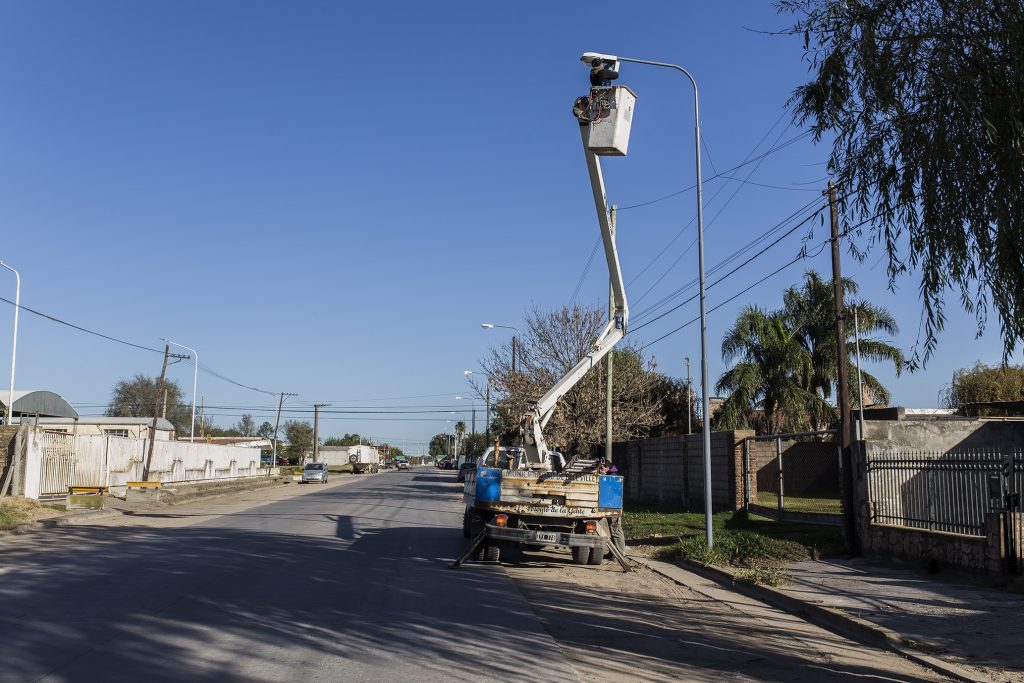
[809,310]
[771,374]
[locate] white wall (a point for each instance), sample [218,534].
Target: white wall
[64,460]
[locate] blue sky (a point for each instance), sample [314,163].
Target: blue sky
[328,198]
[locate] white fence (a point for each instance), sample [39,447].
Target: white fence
[56,461]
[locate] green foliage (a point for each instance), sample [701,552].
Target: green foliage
[347,440]
[740,539]
[787,362]
[674,399]
[440,445]
[299,435]
[925,104]
[138,397]
[266,430]
[984,383]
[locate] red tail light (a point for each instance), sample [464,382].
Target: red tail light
[501,520]
[590,527]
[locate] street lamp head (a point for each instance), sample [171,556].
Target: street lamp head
[458,398]
[467,373]
[487,326]
[593,59]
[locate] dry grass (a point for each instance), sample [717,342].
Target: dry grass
[17,510]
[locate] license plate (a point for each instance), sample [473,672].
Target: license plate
[547,536]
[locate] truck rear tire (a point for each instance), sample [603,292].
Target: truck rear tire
[492,553]
[465,524]
[596,556]
[580,554]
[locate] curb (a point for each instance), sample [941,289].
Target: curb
[829,618]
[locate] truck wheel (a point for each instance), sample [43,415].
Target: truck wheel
[492,553]
[580,554]
[465,524]
[596,556]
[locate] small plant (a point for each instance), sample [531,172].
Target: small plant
[763,576]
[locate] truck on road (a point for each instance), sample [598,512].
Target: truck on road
[364,459]
[531,495]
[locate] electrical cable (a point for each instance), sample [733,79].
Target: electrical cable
[79,327]
[646,312]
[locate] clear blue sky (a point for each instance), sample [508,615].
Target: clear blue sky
[328,198]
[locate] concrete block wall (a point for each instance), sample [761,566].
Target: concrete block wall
[669,470]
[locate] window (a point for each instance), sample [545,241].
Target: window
[116,432]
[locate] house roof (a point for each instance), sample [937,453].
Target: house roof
[104,420]
[42,403]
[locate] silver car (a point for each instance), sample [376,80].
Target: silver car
[314,471]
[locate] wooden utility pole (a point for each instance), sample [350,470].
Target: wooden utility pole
[609,365]
[156,413]
[316,429]
[843,384]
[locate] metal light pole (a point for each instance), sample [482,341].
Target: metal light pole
[689,399]
[860,377]
[491,326]
[591,58]
[14,343]
[195,384]
[487,414]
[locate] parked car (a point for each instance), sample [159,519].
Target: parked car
[314,471]
[467,466]
[402,464]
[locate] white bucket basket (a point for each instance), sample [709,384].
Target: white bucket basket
[611,116]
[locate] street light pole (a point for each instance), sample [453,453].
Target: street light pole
[14,343]
[195,384]
[590,58]
[490,326]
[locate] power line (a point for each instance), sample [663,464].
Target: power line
[710,201]
[801,256]
[80,328]
[729,259]
[783,145]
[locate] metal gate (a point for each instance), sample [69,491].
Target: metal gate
[58,465]
[1013,515]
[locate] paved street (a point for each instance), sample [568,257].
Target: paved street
[349,582]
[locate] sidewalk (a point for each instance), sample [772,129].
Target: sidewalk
[971,625]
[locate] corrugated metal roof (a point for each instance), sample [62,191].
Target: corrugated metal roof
[161,423]
[42,403]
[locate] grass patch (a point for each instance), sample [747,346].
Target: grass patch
[820,504]
[17,510]
[741,540]
[60,507]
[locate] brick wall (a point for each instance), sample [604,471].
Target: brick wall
[809,467]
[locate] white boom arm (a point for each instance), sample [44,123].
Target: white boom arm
[535,444]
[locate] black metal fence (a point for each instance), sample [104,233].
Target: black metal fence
[945,491]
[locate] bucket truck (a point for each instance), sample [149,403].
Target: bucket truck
[530,495]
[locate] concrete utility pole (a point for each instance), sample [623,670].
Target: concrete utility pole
[316,429]
[610,358]
[843,388]
[159,408]
[14,342]
[689,398]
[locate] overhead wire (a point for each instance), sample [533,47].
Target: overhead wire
[79,327]
[718,213]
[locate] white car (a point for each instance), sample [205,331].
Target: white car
[314,471]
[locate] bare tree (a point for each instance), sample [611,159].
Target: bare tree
[553,342]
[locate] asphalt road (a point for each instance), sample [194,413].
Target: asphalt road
[349,582]
[345,582]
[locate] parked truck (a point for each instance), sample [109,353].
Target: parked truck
[364,459]
[531,495]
